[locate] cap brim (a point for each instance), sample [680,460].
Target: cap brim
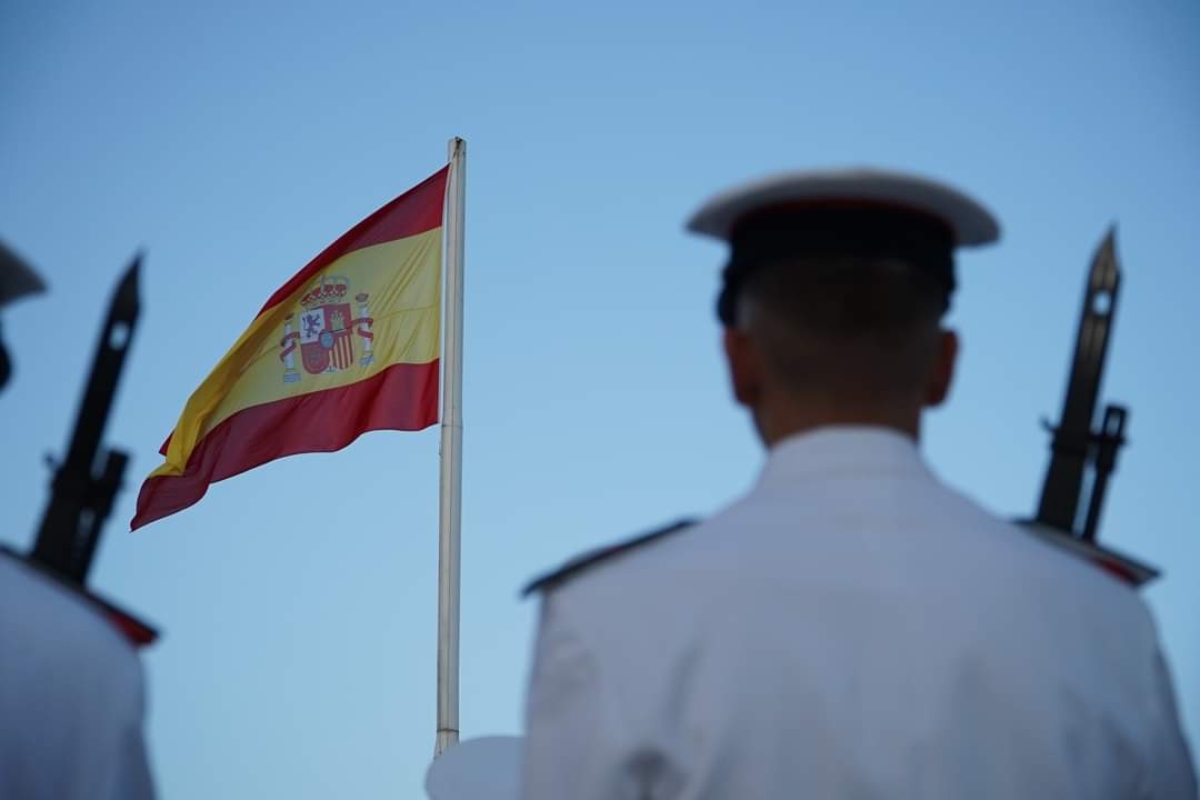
[17,279]
[970,223]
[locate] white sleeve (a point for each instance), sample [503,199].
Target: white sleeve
[1171,772]
[132,779]
[129,774]
[573,744]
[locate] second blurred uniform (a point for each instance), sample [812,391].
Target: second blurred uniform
[72,689]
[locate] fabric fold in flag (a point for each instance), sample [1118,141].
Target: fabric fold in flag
[350,344]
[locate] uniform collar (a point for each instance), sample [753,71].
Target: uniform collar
[833,450]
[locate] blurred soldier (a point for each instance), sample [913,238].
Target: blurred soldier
[71,685]
[851,627]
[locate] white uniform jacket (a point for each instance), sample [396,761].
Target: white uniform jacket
[852,628]
[71,697]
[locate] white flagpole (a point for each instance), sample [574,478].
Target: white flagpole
[450,506]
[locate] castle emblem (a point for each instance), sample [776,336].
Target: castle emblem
[325,331]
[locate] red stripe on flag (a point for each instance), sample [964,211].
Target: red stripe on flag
[403,397]
[416,211]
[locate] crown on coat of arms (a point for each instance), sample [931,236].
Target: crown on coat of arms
[330,290]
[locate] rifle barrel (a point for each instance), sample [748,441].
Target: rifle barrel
[1073,440]
[80,499]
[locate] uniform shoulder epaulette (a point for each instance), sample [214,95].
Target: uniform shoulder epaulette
[137,632]
[1125,568]
[579,564]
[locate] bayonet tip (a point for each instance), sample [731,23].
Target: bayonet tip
[1105,273]
[125,302]
[135,263]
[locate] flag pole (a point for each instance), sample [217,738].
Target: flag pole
[450,504]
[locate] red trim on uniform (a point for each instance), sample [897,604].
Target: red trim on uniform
[1117,570]
[138,633]
[416,211]
[402,397]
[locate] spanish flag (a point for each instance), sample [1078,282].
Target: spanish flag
[350,344]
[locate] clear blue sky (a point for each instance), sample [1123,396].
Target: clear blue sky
[235,140]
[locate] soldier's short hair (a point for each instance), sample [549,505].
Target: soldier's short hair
[845,324]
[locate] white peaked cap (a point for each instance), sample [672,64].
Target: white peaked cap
[968,220]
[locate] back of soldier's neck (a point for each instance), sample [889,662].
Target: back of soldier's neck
[796,420]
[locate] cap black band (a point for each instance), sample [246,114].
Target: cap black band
[863,232]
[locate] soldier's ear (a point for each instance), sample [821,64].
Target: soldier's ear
[745,367]
[941,375]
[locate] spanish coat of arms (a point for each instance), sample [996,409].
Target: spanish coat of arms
[325,331]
